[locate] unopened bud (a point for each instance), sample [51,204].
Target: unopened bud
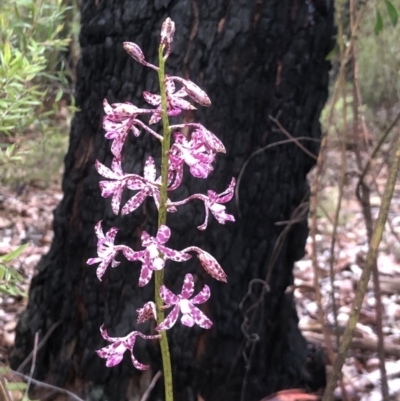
[167,35]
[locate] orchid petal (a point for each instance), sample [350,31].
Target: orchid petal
[176,256]
[188,286]
[151,98]
[170,320]
[168,296]
[200,318]
[202,296]
[134,202]
[163,234]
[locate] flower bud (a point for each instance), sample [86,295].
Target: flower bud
[167,35]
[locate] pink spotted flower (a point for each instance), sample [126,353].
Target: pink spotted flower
[181,303]
[195,156]
[213,202]
[114,352]
[148,186]
[119,181]
[121,118]
[106,250]
[153,257]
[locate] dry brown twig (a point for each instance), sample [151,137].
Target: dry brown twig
[366,273]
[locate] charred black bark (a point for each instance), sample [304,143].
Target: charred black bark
[255,59]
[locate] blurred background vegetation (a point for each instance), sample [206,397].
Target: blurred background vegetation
[38,41]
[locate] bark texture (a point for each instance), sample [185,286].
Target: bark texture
[255,59]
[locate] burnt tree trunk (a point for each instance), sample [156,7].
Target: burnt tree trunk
[255,59]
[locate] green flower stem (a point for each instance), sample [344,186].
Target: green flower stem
[162,219]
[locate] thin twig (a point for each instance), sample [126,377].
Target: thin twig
[377,148]
[366,206]
[297,142]
[46,385]
[40,345]
[153,382]
[365,275]
[257,152]
[35,350]
[4,393]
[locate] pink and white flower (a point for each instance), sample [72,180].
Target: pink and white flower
[148,186]
[120,182]
[120,118]
[203,137]
[106,250]
[191,153]
[181,303]
[212,202]
[114,352]
[153,257]
[175,101]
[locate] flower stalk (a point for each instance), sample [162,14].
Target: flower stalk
[162,220]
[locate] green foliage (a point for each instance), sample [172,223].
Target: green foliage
[379,61]
[31,77]
[392,12]
[9,277]
[32,82]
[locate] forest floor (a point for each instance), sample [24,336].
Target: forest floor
[26,214]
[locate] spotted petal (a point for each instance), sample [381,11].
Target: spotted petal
[151,98]
[202,296]
[135,201]
[188,286]
[173,254]
[163,234]
[200,318]
[170,320]
[168,296]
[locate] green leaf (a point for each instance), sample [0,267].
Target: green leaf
[7,52]
[14,254]
[378,23]
[58,95]
[393,15]
[16,386]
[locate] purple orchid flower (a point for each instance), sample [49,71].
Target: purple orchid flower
[193,154]
[212,202]
[120,118]
[114,352]
[121,181]
[106,250]
[190,313]
[148,186]
[175,102]
[203,137]
[153,257]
